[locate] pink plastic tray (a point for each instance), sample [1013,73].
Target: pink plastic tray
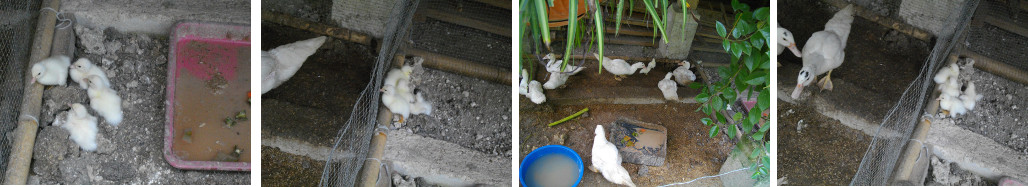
[203,32]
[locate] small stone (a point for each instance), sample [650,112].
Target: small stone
[473,104]
[133,84]
[504,117]
[466,93]
[643,170]
[479,137]
[106,61]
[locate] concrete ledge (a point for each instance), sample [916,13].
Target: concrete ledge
[976,153]
[154,17]
[444,163]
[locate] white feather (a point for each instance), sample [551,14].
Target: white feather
[668,87]
[607,159]
[51,71]
[535,92]
[279,64]
[83,68]
[104,100]
[82,127]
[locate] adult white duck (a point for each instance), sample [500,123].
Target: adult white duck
[620,68]
[786,40]
[823,52]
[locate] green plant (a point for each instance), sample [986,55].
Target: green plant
[748,44]
[534,24]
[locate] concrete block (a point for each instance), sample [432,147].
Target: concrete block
[679,40]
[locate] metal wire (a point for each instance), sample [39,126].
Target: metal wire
[16,30]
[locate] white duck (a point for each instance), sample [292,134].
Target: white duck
[683,75]
[279,64]
[557,79]
[618,67]
[553,65]
[823,52]
[607,160]
[668,87]
[535,92]
[786,41]
[646,70]
[522,87]
[81,127]
[51,71]
[83,68]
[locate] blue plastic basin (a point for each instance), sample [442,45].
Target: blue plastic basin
[548,150]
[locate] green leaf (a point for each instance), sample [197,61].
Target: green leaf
[740,29]
[764,100]
[758,137]
[737,116]
[572,30]
[599,33]
[764,128]
[721,31]
[707,121]
[702,97]
[707,109]
[713,131]
[755,153]
[720,118]
[726,45]
[650,7]
[696,85]
[754,116]
[540,9]
[757,42]
[747,126]
[719,104]
[761,14]
[748,61]
[617,17]
[736,49]
[730,133]
[756,79]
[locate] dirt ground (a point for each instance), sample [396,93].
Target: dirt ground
[816,150]
[691,153]
[131,153]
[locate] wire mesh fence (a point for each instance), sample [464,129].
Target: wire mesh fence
[995,42]
[17,24]
[350,150]
[894,132]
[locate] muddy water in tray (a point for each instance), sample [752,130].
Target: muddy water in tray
[554,170]
[210,92]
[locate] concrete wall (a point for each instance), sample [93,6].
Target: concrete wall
[364,16]
[154,16]
[935,16]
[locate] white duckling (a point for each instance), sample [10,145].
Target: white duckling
[82,127]
[83,68]
[535,92]
[945,73]
[683,75]
[650,66]
[668,87]
[607,160]
[420,106]
[618,67]
[396,74]
[970,97]
[396,102]
[523,86]
[104,100]
[950,88]
[51,71]
[824,51]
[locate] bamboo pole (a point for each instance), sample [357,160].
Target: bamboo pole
[335,32]
[461,66]
[28,122]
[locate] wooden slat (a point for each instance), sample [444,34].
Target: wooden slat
[467,21]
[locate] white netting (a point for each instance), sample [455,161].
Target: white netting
[351,147]
[17,24]
[894,132]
